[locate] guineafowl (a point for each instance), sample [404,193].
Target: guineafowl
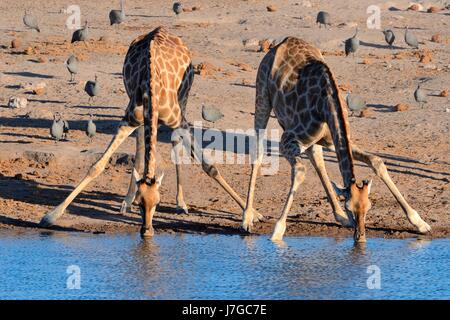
[355,103]
[72,66]
[323,18]
[117,16]
[92,88]
[352,44]
[420,95]
[91,128]
[80,34]
[177,8]
[30,21]
[389,36]
[211,114]
[411,39]
[57,128]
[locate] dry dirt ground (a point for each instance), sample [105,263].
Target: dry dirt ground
[414,143]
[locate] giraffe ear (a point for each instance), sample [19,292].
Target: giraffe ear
[136,175]
[159,179]
[339,190]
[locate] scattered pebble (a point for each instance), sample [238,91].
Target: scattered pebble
[29,51]
[436,38]
[16,43]
[416,7]
[444,93]
[433,9]
[401,107]
[271,8]
[364,113]
[17,102]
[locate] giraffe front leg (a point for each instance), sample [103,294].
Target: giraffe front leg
[298,173]
[315,154]
[137,172]
[380,169]
[291,149]
[124,131]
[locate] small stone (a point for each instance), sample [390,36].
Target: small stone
[415,7]
[29,51]
[43,158]
[366,61]
[271,8]
[16,43]
[444,93]
[436,38]
[401,107]
[364,113]
[433,9]
[17,102]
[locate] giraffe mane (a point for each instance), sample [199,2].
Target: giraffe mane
[342,111]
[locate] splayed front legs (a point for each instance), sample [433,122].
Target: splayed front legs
[124,131]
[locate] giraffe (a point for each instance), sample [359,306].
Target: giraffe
[294,80]
[157,75]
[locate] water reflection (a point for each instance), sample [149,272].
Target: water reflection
[219,267]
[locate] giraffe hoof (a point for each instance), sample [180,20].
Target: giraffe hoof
[278,232]
[246,227]
[125,207]
[424,228]
[147,232]
[50,218]
[182,209]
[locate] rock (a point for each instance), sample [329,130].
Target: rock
[17,102]
[43,158]
[252,42]
[271,8]
[436,38]
[205,68]
[29,51]
[16,43]
[366,61]
[415,7]
[401,107]
[443,93]
[425,56]
[35,88]
[364,113]
[433,9]
[196,8]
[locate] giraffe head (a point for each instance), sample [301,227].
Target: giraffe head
[357,204]
[147,198]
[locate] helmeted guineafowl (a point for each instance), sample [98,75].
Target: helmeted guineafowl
[30,21]
[91,128]
[81,34]
[389,36]
[211,114]
[57,128]
[92,88]
[117,16]
[72,65]
[411,39]
[177,8]
[323,18]
[420,95]
[352,44]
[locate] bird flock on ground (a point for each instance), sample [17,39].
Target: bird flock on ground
[60,128]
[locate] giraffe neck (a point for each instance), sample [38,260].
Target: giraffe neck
[151,118]
[337,119]
[150,136]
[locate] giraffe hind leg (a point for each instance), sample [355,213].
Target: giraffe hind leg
[96,169]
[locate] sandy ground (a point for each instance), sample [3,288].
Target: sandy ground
[414,143]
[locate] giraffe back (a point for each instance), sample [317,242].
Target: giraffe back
[159,63]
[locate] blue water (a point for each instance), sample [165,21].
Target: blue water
[35,266]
